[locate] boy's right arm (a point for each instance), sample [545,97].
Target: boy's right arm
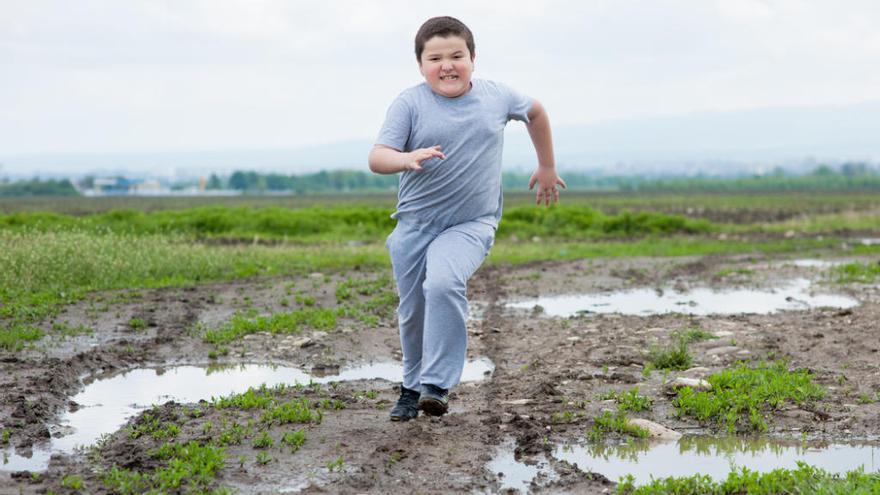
[386,160]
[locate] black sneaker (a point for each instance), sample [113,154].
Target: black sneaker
[407,406]
[434,400]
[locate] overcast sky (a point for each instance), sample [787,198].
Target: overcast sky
[132,75]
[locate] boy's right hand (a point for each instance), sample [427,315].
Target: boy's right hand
[415,158]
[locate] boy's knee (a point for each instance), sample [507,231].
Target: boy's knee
[442,284]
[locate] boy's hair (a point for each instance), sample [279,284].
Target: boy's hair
[443,27]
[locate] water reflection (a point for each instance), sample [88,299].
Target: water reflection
[716,456]
[796,295]
[106,404]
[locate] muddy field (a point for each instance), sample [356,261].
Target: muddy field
[546,387]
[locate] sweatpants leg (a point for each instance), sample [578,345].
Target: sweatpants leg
[408,247]
[452,257]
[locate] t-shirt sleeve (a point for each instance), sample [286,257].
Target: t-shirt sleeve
[398,124]
[518,105]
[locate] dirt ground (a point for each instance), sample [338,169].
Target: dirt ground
[543,365]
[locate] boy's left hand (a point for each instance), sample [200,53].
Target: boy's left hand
[547,180]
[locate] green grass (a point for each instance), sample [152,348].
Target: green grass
[689,335]
[263,441]
[804,479]
[294,439]
[188,468]
[310,224]
[149,424]
[674,356]
[631,400]
[261,397]
[865,273]
[617,422]
[242,324]
[72,482]
[293,411]
[53,260]
[742,397]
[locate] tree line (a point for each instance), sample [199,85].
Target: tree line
[848,176]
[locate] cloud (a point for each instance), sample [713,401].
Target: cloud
[101,75]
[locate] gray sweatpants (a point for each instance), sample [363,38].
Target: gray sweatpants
[432,268]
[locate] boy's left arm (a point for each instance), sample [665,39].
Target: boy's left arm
[545,175]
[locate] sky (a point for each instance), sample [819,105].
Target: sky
[111,76]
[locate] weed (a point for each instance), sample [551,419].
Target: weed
[803,479]
[393,458]
[740,396]
[614,422]
[673,357]
[4,437]
[304,299]
[337,464]
[294,439]
[263,458]
[137,323]
[866,273]
[150,424]
[865,399]
[688,335]
[263,441]
[563,417]
[189,468]
[630,400]
[243,324]
[294,411]
[72,482]
[67,330]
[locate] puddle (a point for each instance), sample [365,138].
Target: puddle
[516,475]
[106,404]
[716,457]
[811,263]
[702,301]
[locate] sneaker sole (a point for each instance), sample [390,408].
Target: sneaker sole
[433,407]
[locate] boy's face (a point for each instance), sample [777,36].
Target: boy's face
[447,65]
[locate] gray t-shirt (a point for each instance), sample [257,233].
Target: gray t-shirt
[466,185]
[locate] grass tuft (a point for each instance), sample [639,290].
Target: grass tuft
[741,397]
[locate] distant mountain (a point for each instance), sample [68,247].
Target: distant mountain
[711,142]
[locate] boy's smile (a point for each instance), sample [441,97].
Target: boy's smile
[447,65]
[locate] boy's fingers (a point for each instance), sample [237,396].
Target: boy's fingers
[532,182]
[561,183]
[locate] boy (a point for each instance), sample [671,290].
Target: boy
[446,136]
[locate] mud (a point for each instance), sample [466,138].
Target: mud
[545,367]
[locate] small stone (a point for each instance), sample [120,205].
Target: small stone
[518,402]
[723,333]
[720,351]
[744,352]
[789,234]
[696,372]
[573,339]
[655,430]
[316,275]
[303,342]
[694,383]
